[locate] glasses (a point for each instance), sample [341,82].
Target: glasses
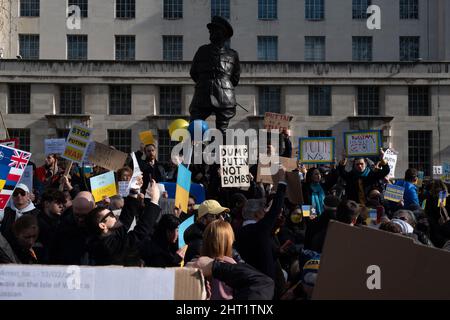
[17,192]
[109,214]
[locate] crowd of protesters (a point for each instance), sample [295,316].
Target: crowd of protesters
[250,244]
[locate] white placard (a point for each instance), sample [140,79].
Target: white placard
[54,146]
[124,188]
[437,170]
[234,166]
[391,158]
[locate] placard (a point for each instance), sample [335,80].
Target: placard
[317,150]
[362,143]
[146,137]
[234,166]
[12,143]
[103,185]
[77,143]
[394,193]
[276,121]
[54,146]
[106,157]
[391,158]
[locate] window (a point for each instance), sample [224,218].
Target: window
[267,9]
[409,9]
[319,100]
[19,98]
[267,48]
[359,9]
[362,48]
[77,47]
[29,46]
[29,8]
[419,150]
[62,133]
[173,9]
[24,138]
[320,133]
[70,100]
[120,99]
[82,4]
[125,9]
[418,101]
[170,100]
[368,101]
[314,9]
[269,100]
[120,139]
[165,146]
[315,48]
[172,48]
[220,8]
[409,48]
[125,47]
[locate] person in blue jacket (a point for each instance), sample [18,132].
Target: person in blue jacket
[410,196]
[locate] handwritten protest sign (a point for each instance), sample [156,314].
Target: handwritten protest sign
[106,157]
[394,193]
[103,185]
[234,166]
[54,146]
[316,150]
[362,143]
[77,143]
[391,157]
[146,137]
[276,121]
[437,170]
[12,143]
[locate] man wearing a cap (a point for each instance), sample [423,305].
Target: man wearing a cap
[215,70]
[208,211]
[21,204]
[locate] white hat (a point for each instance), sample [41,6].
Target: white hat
[23,187]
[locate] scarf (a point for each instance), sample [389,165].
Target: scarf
[317,197]
[365,173]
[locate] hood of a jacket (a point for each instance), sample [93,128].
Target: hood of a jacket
[19,212]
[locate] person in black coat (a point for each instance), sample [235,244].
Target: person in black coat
[111,243]
[150,167]
[254,240]
[25,233]
[161,250]
[247,282]
[362,177]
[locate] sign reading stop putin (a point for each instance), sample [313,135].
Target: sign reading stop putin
[77,143]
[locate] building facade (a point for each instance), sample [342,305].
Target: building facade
[124,68]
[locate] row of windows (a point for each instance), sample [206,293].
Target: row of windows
[125,48]
[419,144]
[170,100]
[267,9]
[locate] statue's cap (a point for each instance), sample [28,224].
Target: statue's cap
[222,23]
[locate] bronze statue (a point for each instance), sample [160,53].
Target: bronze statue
[215,71]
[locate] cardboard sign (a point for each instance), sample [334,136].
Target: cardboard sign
[294,188]
[183,188]
[43,282]
[392,267]
[77,143]
[182,228]
[362,143]
[420,176]
[12,143]
[27,177]
[13,163]
[391,157]
[394,193]
[107,158]
[103,185]
[289,164]
[54,146]
[146,137]
[234,166]
[442,198]
[316,150]
[276,121]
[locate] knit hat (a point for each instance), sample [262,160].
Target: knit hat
[405,226]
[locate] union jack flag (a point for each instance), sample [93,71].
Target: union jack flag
[19,159]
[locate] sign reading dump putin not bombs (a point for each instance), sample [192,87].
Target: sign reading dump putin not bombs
[77,143]
[234,166]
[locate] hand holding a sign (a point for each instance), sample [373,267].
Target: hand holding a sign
[153,192]
[204,264]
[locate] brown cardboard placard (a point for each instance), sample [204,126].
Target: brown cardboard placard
[406,270]
[276,121]
[294,188]
[106,157]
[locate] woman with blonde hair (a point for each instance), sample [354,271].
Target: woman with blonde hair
[218,239]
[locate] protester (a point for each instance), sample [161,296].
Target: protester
[50,173]
[410,195]
[150,167]
[25,233]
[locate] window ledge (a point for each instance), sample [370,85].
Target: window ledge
[382,118]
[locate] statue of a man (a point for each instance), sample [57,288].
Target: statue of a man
[215,70]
